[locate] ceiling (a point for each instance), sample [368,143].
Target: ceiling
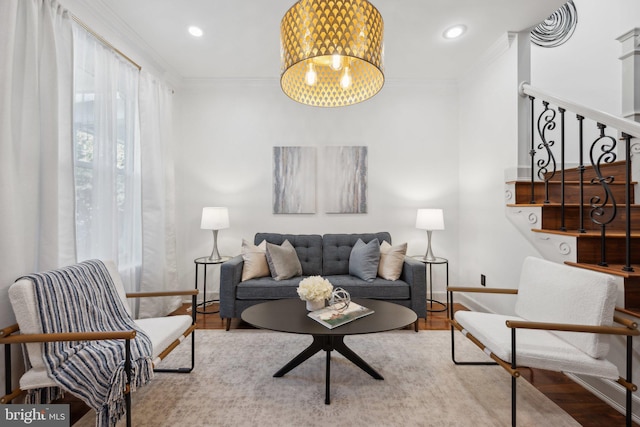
[241,37]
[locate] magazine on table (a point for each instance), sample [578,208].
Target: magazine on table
[331,317]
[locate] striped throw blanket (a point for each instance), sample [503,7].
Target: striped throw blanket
[83,298]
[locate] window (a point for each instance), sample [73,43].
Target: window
[106,156]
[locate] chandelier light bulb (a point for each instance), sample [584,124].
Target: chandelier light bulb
[345,81]
[311,76]
[336,62]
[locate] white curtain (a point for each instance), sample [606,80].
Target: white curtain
[159,271]
[39,139]
[36,172]
[107,157]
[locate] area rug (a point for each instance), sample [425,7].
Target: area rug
[233,385]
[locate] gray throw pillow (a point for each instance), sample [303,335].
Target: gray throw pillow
[283,261]
[364,259]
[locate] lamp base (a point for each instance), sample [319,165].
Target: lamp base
[215,255]
[429,257]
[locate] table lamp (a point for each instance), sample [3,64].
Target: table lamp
[214,219]
[429,219]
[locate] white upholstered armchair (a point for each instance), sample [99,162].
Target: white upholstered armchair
[564,318]
[80,338]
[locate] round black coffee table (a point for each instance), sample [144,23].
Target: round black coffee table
[290,315]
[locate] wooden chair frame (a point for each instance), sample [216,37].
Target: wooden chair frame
[9,336]
[628,328]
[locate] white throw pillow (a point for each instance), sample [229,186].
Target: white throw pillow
[255,260]
[391,260]
[283,261]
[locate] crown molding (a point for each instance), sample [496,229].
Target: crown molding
[190,83]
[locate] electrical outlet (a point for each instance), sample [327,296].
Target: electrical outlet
[483,280]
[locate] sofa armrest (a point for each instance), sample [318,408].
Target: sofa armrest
[230,276]
[414,273]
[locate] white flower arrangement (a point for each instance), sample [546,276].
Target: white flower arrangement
[315,288]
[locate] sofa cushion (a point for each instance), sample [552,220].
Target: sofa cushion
[255,260]
[283,261]
[377,289]
[308,248]
[558,293]
[266,288]
[364,260]
[336,250]
[391,260]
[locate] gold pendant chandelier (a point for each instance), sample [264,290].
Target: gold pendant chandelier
[331,52]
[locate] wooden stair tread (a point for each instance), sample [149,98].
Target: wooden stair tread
[589,233]
[556,205]
[613,269]
[568,182]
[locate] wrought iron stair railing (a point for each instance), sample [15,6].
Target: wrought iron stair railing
[550,120]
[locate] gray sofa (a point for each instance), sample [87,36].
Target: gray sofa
[327,256]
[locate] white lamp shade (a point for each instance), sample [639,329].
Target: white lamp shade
[214,218]
[430,219]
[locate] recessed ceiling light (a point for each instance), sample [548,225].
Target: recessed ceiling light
[195,31]
[454,32]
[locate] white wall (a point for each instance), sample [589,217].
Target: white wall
[488,243]
[224,158]
[586,69]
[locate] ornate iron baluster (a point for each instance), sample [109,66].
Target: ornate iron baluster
[627,188]
[562,180]
[546,122]
[532,152]
[598,213]
[581,173]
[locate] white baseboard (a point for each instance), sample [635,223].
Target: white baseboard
[470,303]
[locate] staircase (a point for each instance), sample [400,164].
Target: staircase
[584,215]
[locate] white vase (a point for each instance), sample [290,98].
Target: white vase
[315,304]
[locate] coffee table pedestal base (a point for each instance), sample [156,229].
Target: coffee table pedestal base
[328,343]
